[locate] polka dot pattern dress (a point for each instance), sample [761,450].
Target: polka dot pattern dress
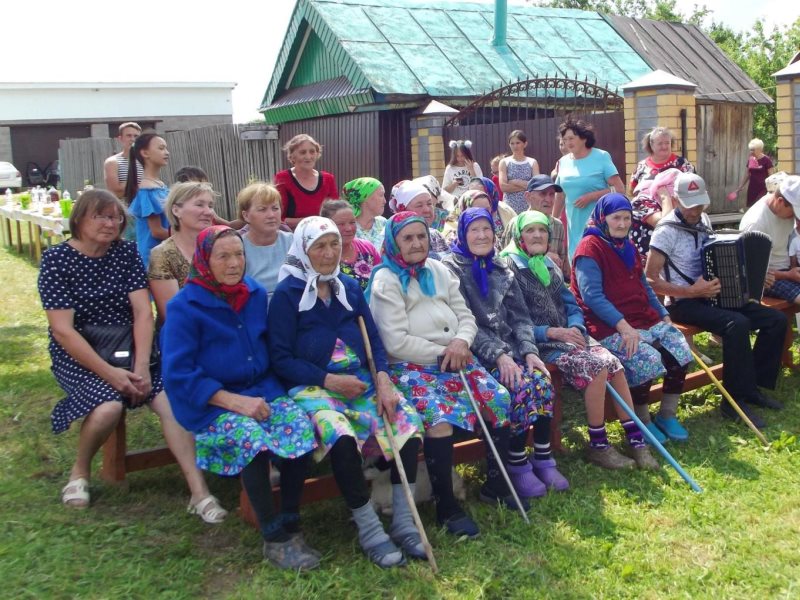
[97,290]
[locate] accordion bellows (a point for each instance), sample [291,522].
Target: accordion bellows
[740,260]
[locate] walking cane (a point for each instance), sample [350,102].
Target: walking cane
[652,439]
[489,441]
[730,400]
[396,453]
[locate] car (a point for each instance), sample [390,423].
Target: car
[10,177]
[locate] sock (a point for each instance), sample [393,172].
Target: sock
[643,412]
[439,460]
[494,478]
[541,439]
[633,434]
[402,519]
[598,437]
[669,406]
[370,529]
[408,456]
[255,479]
[516,450]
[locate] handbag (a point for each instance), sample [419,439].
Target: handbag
[114,344]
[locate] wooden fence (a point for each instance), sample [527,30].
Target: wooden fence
[219,150]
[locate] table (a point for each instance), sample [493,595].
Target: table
[38,224]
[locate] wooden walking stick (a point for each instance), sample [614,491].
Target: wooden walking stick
[730,400]
[492,447]
[396,453]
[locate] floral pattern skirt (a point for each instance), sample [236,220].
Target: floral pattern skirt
[646,363]
[335,416]
[533,398]
[441,398]
[580,366]
[231,442]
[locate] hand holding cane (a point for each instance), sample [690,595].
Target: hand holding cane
[396,454]
[492,447]
[730,400]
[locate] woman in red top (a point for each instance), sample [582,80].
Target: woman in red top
[759,167]
[303,188]
[658,145]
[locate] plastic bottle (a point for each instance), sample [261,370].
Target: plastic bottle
[9,196]
[52,194]
[66,196]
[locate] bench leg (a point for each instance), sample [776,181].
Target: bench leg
[787,359]
[113,469]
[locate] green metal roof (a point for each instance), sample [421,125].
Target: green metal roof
[441,49]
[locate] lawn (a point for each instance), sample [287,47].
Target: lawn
[613,535]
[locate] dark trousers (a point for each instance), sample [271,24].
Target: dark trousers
[673,379]
[743,368]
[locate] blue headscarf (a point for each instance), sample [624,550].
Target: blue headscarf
[608,204]
[491,189]
[481,265]
[392,258]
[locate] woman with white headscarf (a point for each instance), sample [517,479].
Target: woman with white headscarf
[317,349]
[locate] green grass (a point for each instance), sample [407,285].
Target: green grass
[613,535]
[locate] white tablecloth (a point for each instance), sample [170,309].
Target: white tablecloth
[54,222]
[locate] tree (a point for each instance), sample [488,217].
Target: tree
[658,10]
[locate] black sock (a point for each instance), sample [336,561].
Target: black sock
[541,438]
[346,464]
[494,478]
[293,476]
[255,478]
[439,460]
[516,449]
[408,455]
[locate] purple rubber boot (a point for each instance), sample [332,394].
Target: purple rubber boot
[525,482]
[547,473]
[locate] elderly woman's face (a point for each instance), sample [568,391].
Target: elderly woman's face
[412,240]
[101,227]
[376,201]
[346,224]
[304,156]
[422,204]
[535,237]
[661,146]
[572,142]
[227,260]
[196,213]
[325,253]
[619,223]
[480,237]
[482,202]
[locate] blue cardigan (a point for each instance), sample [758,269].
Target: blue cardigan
[207,347]
[301,343]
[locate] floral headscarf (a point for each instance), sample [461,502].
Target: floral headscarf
[481,265]
[609,204]
[516,247]
[491,190]
[200,272]
[297,264]
[467,199]
[392,258]
[358,190]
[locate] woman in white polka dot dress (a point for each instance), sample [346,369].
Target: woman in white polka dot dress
[97,279]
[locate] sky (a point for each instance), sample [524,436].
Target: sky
[233,41]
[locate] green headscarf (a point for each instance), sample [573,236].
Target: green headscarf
[358,190]
[516,246]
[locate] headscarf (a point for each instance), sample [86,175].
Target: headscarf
[200,272]
[481,265]
[392,258]
[297,264]
[491,190]
[609,204]
[467,198]
[403,193]
[516,247]
[358,190]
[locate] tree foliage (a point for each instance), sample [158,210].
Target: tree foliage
[758,52]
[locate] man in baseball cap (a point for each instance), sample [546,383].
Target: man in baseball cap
[675,270]
[541,195]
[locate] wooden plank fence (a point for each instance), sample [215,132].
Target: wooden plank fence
[219,150]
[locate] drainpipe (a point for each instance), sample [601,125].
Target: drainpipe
[500,23]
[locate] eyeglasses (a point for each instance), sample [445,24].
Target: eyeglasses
[108,218]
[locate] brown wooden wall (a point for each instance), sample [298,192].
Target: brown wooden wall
[723,132]
[489,140]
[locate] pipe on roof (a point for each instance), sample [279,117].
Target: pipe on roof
[500,23]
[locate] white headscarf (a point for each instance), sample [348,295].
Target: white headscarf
[297,264]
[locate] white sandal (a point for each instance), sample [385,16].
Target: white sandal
[208,509]
[76,493]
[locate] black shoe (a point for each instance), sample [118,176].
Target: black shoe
[729,412]
[461,524]
[759,399]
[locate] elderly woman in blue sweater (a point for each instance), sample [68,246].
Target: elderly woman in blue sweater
[319,352]
[217,376]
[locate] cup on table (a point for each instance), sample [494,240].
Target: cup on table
[66,208]
[25,201]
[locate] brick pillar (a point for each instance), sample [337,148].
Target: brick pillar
[788,117]
[427,143]
[657,99]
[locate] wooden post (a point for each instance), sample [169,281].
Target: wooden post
[113,470]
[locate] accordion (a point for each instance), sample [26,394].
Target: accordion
[740,261]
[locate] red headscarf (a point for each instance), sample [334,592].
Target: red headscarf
[200,273]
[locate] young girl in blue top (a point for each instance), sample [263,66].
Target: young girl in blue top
[147,199]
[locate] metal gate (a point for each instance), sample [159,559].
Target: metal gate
[538,107]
